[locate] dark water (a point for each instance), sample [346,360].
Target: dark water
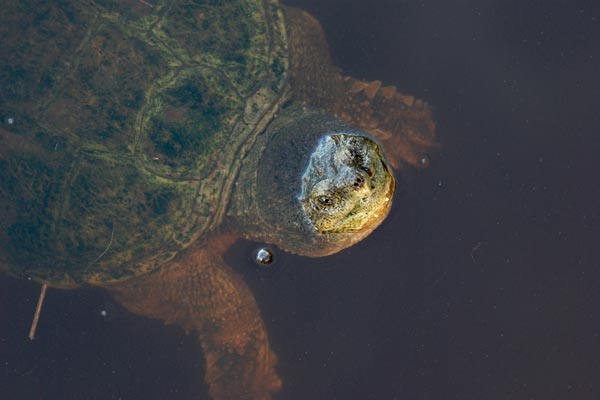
[484,283]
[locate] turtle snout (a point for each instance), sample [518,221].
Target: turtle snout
[359,182]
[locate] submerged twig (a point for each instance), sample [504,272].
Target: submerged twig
[38,309]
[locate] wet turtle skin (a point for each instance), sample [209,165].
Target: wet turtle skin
[141,139]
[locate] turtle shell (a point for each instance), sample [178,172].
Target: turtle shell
[123,127]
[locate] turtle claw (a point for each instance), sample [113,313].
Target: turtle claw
[402,124]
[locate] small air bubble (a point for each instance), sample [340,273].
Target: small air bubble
[424,161]
[264,256]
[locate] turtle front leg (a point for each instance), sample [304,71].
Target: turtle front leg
[199,292]
[401,123]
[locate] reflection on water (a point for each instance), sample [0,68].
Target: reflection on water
[481,283]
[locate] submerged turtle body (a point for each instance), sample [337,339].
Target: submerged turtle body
[140,139]
[132,121]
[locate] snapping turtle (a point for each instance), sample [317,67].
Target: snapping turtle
[140,139]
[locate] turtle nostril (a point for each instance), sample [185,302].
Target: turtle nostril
[358,182]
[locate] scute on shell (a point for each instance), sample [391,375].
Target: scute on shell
[128,123]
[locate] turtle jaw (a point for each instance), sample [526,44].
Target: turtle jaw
[346,190]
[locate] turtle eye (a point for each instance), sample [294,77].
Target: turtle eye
[325,201]
[368,169]
[324,197]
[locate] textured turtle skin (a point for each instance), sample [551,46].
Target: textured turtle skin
[132,137]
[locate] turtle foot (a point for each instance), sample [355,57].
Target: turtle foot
[243,373]
[199,292]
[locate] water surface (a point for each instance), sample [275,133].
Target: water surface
[483,282]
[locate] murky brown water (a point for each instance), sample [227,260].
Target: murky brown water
[482,284]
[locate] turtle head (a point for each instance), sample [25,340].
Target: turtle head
[347,187]
[319,185]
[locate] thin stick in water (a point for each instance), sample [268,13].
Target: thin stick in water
[38,309]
